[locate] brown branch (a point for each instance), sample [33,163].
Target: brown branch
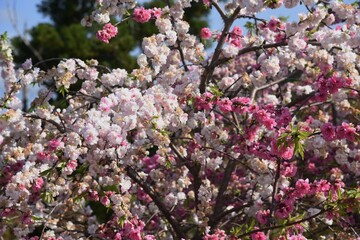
[283,80]
[209,69]
[214,221]
[157,200]
[284,225]
[275,186]
[57,125]
[220,197]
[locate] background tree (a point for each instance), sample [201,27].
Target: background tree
[64,37]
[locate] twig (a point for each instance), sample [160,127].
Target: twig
[43,229]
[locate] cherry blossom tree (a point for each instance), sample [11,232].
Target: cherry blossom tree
[257,140]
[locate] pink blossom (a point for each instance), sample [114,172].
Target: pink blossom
[105,201]
[109,31]
[262,216]
[93,195]
[117,236]
[237,31]
[284,118]
[288,169]
[206,2]
[204,101]
[297,237]
[41,156]
[54,144]
[26,219]
[328,132]
[284,209]
[273,24]
[346,131]
[72,164]
[224,105]
[302,187]
[135,235]
[156,12]
[285,152]
[105,104]
[236,42]
[258,236]
[322,186]
[38,184]
[218,235]
[263,117]
[333,84]
[240,104]
[142,15]
[205,33]
[7,212]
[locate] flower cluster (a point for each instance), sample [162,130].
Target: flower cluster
[143,15]
[259,140]
[109,31]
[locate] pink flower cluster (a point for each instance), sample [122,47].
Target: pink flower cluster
[344,131]
[235,37]
[217,235]
[206,33]
[109,31]
[143,15]
[303,188]
[330,85]
[275,26]
[131,229]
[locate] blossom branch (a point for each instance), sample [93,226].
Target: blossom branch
[209,69]
[292,77]
[284,225]
[157,200]
[57,125]
[224,184]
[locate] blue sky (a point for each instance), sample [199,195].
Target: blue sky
[26,15]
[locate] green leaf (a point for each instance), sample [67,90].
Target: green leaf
[167,163]
[63,90]
[47,197]
[46,172]
[122,221]
[36,218]
[214,89]
[284,18]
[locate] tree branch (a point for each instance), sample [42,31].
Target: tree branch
[283,225]
[209,69]
[220,197]
[57,125]
[283,80]
[157,200]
